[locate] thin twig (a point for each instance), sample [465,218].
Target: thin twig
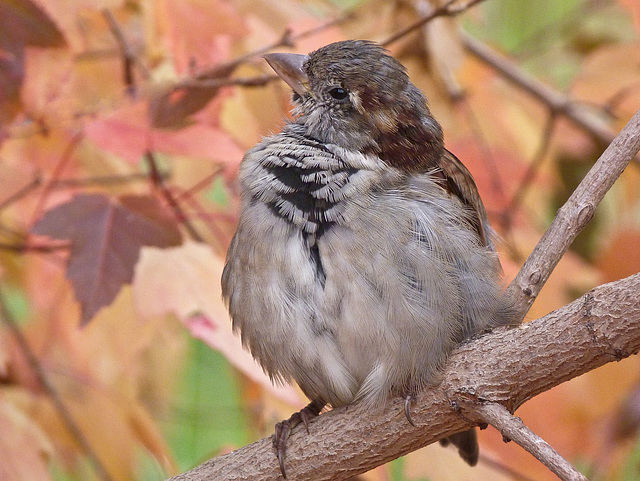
[57,172]
[554,100]
[199,212]
[198,87]
[446,10]
[513,428]
[325,26]
[79,182]
[201,184]
[287,39]
[103,180]
[213,83]
[168,196]
[506,215]
[26,247]
[485,150]
[129,58]
[22,192]
[574,215]
[52,393]
[503,468]
[188,196]
[531,172]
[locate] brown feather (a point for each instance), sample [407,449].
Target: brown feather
[459,182]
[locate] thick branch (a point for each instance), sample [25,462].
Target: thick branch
[508,367]
[575,214]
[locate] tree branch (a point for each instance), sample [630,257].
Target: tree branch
[557,102]
[514,429]
[508,367]
[448,9]
[575,214]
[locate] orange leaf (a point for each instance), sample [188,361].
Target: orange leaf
[24,448]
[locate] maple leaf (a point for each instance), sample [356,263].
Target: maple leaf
[106,236]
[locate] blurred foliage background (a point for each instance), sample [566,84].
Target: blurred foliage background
[122,124]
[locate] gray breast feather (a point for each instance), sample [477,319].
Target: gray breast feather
[353,281]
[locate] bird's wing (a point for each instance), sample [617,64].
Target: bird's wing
[458,181]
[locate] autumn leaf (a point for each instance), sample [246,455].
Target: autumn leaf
[106,237]
[24,447]
[71,123]
[127,133]
[22,23]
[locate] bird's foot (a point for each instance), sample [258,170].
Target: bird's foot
[283,429]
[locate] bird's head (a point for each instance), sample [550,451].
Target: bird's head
[355,95]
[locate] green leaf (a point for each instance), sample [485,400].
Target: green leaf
[210,406]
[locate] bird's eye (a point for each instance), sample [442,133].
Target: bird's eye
[338,93]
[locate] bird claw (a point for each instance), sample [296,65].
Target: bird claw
[304,417]
[283,429]
[407,408]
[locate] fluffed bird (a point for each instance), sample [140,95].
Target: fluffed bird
[363,253]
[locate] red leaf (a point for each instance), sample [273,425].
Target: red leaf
[127,133]
[106,236]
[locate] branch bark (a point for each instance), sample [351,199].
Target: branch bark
[514,429]
[508,367]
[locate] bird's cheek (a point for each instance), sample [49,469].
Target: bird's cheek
[384,121]
[356,101]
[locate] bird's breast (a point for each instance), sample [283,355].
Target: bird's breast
[307,196]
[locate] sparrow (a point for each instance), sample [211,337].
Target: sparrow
[363,254]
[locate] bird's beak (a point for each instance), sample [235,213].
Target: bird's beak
[288,66]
